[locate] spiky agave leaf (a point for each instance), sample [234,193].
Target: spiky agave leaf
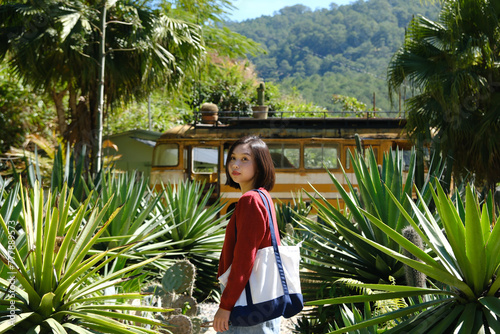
[195,227]
[467,265]
[139,220]
[53,281]
[332,253]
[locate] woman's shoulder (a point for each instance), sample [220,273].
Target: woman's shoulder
[252,197]
[251,206]
[254,193]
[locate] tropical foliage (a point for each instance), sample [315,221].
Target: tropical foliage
[194,229]
[52,281]
[210,14]
[463,265]
[21,112]
[227,83]
[126,233]
[53,46]
[337,253]
[453,66]
[139,221]
[288,214]
[332,254]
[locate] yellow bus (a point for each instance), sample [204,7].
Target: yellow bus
[301,149]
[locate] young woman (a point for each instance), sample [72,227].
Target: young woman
[248,166]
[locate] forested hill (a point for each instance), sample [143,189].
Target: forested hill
[344,50]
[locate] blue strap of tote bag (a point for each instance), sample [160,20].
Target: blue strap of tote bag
[273,289]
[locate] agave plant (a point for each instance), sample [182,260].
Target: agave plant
[195,228]
[23,161]
[288,214]
[352,315]
[52,170]
[464,239]
[10,209]
[53,282]
[333,253]
[4,186]
[139,221]
[137,217]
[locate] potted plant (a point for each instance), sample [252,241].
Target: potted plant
[209,113]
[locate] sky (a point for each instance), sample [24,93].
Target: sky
[250,9]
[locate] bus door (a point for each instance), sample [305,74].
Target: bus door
[204,167]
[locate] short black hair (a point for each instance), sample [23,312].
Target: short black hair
[264,177]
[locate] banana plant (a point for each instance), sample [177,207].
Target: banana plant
[463,237]
[54,283]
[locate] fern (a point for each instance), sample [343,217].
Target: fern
[382,306]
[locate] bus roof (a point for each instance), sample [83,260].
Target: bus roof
[276,127]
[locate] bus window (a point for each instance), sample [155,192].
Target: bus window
[285,155]
[321,156]
[166,155]
[205,160]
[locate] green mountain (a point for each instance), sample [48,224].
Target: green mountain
[344,50]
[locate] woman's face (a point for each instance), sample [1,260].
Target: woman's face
[242,167]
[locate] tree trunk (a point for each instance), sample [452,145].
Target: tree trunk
[61,114]
[100,92]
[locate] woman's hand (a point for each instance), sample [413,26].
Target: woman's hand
[221,320]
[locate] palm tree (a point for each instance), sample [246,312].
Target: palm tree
[210,15]
[54,46]
[453,65]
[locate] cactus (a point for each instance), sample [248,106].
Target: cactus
[167,299]
[155,290]
[413,277]
[181,324]
[179,278]
[187,304]
[260,94]
[176,291]
[197,322]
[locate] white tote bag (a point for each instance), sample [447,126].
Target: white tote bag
[273,289]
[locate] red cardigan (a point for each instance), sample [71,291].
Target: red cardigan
[252,225]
